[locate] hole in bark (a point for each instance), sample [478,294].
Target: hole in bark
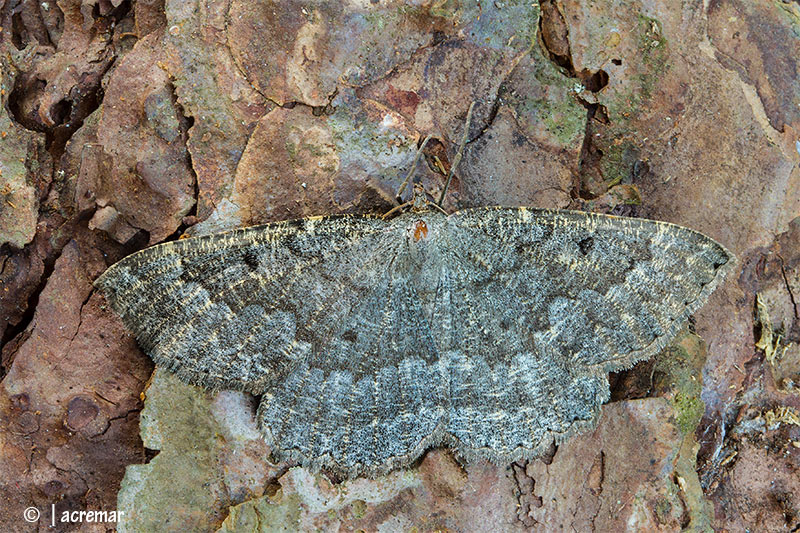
[594,81]
[555,35]
[60,111]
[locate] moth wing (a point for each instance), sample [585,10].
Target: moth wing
[543,304]
[238,310]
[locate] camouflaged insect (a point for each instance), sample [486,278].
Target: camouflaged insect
[490,330]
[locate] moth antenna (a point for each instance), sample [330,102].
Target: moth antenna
[459,154]
[397,208]
[411,170]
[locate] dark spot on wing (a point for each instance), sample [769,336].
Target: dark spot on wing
[251,260]
[585,245]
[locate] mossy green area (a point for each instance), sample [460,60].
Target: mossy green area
[618,159]
[678,371]
[653,54]
[564,117]
[618,142]
[689,410]
[541,94]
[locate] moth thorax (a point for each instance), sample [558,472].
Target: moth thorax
[419,230]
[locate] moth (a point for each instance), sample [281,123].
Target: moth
[370,339]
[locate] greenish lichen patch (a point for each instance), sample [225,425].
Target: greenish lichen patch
[618,159]
[688,411]
[791,14]
[506,25]
[359,509]
[542,95]
[565,119]
[209,458]
[355,134]
[619,142]
[678,372]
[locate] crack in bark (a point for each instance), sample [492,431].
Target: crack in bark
[188,120]
[56,138]
[13,331]
[239,67]
[81,100]
[271,487]
[711,471]
[70,471]
[436,41]
[598,469]
[686,517]
[260,520]
[80,320]
[125,416]
[789,288]
[275,480]
[599,487]
[526,496]
[317,111]
[554,41]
